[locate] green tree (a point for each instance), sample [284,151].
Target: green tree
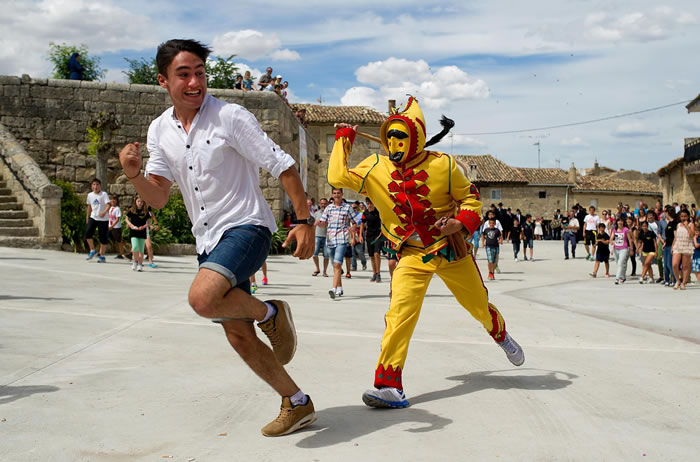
[59,55]
[221,73]
[142,71]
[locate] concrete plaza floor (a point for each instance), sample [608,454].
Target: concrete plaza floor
[99,363]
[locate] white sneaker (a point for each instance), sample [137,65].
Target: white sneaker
[385,398]
[339,291]
[516,258]
[133,266]
[139,268]
[513,351]
[332,293]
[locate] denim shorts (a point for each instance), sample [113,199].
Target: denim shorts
[528,243]
[241,251]
[492,254]
[321,247]
[338,253]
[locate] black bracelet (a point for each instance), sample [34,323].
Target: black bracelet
[131,178]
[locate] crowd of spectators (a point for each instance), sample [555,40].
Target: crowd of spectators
[266,82]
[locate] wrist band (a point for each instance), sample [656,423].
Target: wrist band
[132,177]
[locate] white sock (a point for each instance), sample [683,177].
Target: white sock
[299,398]
[271,311]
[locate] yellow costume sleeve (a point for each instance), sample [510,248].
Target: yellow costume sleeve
[339,174]
[467,197]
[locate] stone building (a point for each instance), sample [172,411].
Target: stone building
[320,122]
[680,178]
[497,181]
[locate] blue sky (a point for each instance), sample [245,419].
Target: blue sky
[491,66]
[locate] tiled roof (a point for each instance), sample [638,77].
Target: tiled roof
[488,169]
[319,114]
[607,184]
[545,176]
[666,169]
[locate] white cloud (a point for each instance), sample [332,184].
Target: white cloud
[460,144]
[633,129]
[252,45]
[397,77]
[657,24]
[575,141]
[116,75]
[28,27]
[691,125]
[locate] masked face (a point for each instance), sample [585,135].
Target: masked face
[397,137]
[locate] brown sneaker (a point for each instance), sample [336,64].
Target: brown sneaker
[280,330]
[291,418]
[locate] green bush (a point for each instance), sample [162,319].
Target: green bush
[174,217]
[72,216]
[59,55]
[161,236]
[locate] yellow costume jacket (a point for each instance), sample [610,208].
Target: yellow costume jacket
[411,196]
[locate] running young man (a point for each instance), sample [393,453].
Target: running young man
[97,217]
[213,150]
[591,220]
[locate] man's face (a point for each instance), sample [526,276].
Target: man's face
[268,71]
[186,81]
[323,203]
[337,196]
[591,210]
[96,187]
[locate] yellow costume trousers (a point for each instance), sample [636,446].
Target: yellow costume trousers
[409,285]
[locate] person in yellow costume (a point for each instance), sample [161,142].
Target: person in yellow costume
[422,197]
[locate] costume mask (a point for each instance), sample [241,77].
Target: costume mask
[403,133]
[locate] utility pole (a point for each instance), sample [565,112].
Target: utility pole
[538,153]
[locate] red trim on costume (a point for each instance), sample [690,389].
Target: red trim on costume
[388,377]
[347,132]
[470,219]
[473,189]
[497,334]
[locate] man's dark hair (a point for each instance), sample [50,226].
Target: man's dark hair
[168,50]
[337,189]
[96,180]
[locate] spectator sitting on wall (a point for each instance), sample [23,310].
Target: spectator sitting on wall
[265,80]
[248,82]
[74,67]
[285,85]
[301,116]
[239,82]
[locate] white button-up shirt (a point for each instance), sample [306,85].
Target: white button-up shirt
[216,167]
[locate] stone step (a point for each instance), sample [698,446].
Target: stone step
[3,184]
[7,198]
[16,222]
[5,191]
[24,231]
[4,214]
[27,243]
[10,206]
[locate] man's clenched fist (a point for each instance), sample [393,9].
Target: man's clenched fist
[130,158]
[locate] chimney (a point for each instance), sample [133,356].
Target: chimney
[392,106]
[596,168]
[572,174]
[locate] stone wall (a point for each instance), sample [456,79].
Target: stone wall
[49,119]
[679,187]
[526,198]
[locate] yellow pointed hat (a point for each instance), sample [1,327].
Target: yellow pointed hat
[410,117]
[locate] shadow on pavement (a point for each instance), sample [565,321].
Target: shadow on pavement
[483,380]
[347,423]
[9,394]
[21,258]
[351,422]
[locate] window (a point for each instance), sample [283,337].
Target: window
[495,194]
[330,141]
[594,203]
[543,194]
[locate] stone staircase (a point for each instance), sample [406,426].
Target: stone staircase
[16,228]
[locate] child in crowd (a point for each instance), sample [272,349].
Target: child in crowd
[115,225]
[248,82]
[621,246]
[515,235]
[476,237]
[538,229]
[528,237]
[138,220]
[601,248]
[647,241]
[491,239]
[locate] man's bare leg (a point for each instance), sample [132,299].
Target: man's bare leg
[211,296]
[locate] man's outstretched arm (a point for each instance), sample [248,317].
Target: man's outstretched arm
[156,189]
